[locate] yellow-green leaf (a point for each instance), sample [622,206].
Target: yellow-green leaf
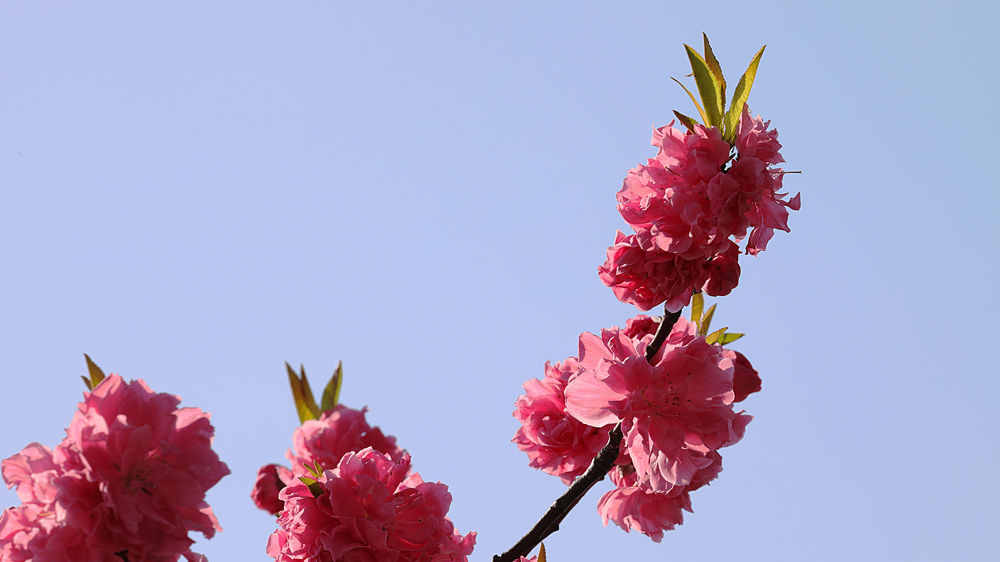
[315,469]
[714,336]
[315,488]
[86,381]
[708,88]
[740,95]
[296,385]
[697,304]
[307,393]
[541,552]
[706,320]
[95,372]
[331,394]
[693,99]
[713,65]
[305,414]
[729,338]
[688,122]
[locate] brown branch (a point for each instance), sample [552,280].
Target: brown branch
[599,468]
[667,324]
[549,523]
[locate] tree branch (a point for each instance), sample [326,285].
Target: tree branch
[549,523]
[667,324]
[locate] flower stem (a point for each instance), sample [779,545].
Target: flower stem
[667,324]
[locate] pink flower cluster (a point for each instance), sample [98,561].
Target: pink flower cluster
[337,432]
[127,483]
[690,206]
[676,411]
[370,507]
[367,505]
[555,442]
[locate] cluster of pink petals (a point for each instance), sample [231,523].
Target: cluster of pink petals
[633,506]
[271,479]
[746,379]
[555,442]
[762,206]
[337,432]
[689,206]
[674,409]
[647,278]
[676,412]
[127,482]
[370,507]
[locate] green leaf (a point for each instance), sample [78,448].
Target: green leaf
[713,65]
[694,99]
[688,122]
[305,413]
[740,95]
[706,320]
[315,488]
[708,88]
[96,374]
[331,394]
[86,381]
[697,304]
[293,381]
[307,394]
[315,469]
[541,553]
[729,338]
[714,336]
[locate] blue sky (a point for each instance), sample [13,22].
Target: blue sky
[194,194]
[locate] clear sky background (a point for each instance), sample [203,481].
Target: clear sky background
[194,193]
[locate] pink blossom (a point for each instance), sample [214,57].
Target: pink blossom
[722,272]
[337,432]
[18,527]
[650,513]
[30,533]
[634,505]
[32,471]
[555,442]
[648,278]
[130,477]
[669,197]
[640,326]
[767,210]
[271,479]
[675,410]
[368,509]
[141,468]
[689,207]
[755,140]
[746,379]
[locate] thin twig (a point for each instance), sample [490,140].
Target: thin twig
[667,324]
[549,523]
